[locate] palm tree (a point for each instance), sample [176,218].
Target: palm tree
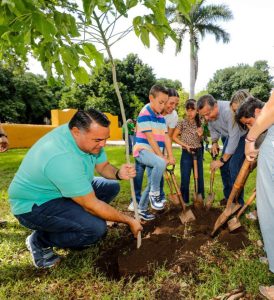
[200,20]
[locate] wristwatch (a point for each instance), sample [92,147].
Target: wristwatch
[222,160]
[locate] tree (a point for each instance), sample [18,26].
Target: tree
[25,98]
[175,84]
[134,79]
[198,22]
[254,78]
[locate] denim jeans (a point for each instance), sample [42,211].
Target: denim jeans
[231,169]
[155,166]
[138,181]
[63,223]
[186,165]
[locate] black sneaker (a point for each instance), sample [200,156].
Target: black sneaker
[42,257]
[145,215]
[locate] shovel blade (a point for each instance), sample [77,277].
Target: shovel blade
[233,224]
[187,216]
[174,199]
[209,200]
[224,216]
[198,201]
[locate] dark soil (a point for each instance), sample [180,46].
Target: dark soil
[166,241]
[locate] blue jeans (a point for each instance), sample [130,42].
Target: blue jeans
[155,166]
[186,165]
[63,223]
[231,169]
[138,181]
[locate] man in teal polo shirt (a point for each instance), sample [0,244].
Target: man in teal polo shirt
[55,193]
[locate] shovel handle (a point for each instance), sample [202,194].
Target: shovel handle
[178,192]
[169,181]
[248,202]
[239,182]
[212,176]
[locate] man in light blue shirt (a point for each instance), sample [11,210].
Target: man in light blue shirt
[55,193]
[222,124]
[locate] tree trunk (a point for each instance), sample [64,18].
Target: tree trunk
[117,90]
[193,68]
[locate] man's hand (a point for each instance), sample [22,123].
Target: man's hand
[215,164]
[127,171]
[215,149]
[135,226]
[4,144]
[250,151]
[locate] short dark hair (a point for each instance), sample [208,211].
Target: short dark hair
[247,109]
[155,89]
[172,93]
[206,99]
[83,118]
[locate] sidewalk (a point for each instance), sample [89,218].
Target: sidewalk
[122,143]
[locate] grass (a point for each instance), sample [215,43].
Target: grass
[77,278]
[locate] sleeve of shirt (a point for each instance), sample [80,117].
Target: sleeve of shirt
[144,123]
[213,133]
[234,134]
[68,174]
[101,157]
[173,121]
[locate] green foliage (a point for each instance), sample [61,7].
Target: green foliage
[25,98]
[254,78]
[134,79]
[51,31]
[175,84]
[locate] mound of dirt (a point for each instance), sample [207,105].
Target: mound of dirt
[166,241]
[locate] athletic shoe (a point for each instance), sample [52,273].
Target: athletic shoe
[155,201]
[164,200]
[145,215]
[42,257]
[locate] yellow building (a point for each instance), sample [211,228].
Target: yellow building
[25,135]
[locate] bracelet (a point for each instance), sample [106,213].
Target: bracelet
[117,175]
[248,140]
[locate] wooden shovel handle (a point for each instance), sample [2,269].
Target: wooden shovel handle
[239,182]
[248,202]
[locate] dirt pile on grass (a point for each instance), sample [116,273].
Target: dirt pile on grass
[166,241]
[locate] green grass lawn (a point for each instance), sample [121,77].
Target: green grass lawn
[77,277]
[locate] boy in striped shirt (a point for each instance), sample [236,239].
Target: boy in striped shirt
[151,139]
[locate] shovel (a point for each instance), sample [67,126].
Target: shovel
[211,195]
[186,215]
[235,223]
[198,199]
[231,207]
[172,196]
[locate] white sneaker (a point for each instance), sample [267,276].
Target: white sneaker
[164,200]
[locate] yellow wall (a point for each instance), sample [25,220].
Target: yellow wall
[24,135]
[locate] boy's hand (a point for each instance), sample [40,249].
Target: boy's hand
[171,160]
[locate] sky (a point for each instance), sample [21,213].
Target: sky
[251,39]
